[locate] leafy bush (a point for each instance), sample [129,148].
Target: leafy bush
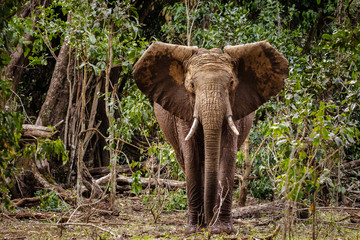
[177,200]
[51,148]
[10,133]
[136,186]
[50,202]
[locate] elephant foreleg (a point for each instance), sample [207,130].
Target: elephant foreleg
[193,154]
[226,183]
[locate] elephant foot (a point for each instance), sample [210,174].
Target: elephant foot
[222,227]
[190,229]
[215,229]
[228,228]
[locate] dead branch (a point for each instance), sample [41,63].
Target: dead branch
[352,164]
[338,208]
[152,182]
[20,202]
[102,171]
[88,204]
[35,131]
[270,236]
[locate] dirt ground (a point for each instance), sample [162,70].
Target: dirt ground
[133,220]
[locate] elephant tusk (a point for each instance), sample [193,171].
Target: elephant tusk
[232,125]
[192,129]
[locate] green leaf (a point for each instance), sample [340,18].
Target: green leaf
[325,133]
[92,39]
[302,155]
[316,140]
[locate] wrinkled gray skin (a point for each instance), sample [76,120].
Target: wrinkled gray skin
[220,91]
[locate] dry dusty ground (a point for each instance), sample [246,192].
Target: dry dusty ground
[134,221]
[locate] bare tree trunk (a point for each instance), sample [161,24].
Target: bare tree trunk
[53,110]
[190,18]
[55,106]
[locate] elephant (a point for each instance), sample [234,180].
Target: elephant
[204,102]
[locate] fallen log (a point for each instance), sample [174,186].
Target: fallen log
[35,131]
[145,182]
[34,215]
[20,202]
[31,201]
[259,210]
[102,171]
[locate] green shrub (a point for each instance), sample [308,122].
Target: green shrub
[50,202]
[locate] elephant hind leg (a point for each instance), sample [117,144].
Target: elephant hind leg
[168,125]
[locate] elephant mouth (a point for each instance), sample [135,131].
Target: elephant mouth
[195,124]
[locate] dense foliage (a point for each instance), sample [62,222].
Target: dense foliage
[10,127]
[312,127]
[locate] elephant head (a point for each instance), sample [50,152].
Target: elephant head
[212,88]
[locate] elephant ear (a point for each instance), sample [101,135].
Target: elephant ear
[261,71]
[159,73]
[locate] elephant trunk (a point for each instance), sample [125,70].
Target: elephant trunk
[212,156]
[212,113]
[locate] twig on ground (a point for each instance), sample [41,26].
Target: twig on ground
[83,205]
[89,225]
[270,236]
[7,216]
[334,208]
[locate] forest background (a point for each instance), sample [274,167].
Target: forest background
[67,66]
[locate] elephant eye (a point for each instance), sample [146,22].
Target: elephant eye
[191,84]
[232,83]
